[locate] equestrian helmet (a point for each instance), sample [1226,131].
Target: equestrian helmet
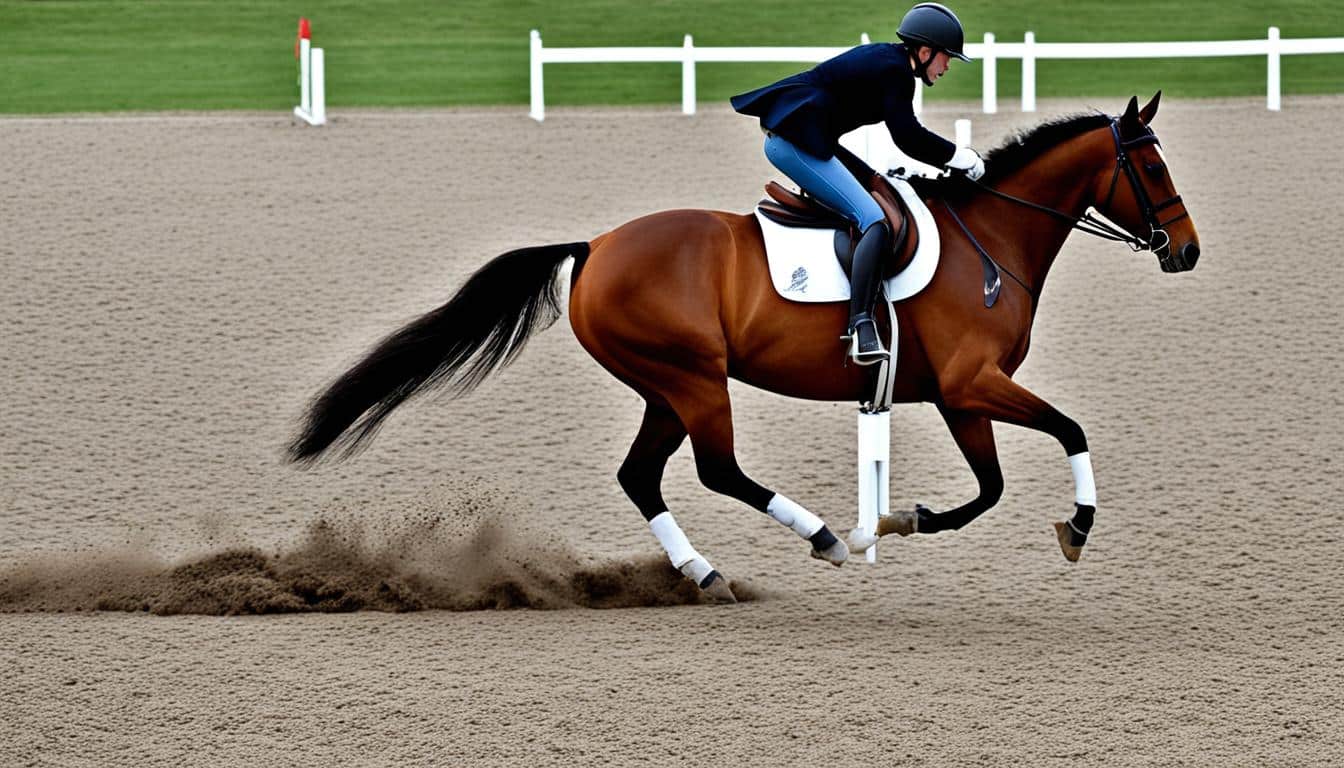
[936,26]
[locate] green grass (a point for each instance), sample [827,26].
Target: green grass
[107,55]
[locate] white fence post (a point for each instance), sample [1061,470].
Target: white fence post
[1029,72]
[990,95]
[687,76]
[538,112]
[1273,94]
[962,128]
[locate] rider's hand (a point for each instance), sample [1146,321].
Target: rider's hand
[968,160]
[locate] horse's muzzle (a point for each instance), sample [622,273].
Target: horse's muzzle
[1190,255]
[1182,260]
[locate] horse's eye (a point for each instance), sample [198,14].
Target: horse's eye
[1154,169]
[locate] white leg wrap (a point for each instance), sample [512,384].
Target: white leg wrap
[679,550]
[1084,485]
[792,514]
[697,569]
[675,543]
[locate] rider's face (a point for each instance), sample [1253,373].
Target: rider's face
[938,66]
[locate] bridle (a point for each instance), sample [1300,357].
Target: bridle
[1151,213]
[1157,241]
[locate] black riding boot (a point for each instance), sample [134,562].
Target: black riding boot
[865,346]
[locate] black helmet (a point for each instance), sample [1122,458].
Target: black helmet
[935,26]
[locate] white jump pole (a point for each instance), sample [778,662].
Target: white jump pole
[874,473]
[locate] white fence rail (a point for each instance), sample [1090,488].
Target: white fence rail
[987,53]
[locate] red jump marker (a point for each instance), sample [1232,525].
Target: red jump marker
[305,33]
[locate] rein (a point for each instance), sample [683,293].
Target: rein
[991,267]
[1089,224]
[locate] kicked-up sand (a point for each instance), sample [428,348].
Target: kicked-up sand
[178,287]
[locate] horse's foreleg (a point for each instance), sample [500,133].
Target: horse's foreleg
[992,394]
[974,435]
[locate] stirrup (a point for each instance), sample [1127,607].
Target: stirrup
[874,353]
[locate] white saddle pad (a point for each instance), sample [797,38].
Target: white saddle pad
[803,266]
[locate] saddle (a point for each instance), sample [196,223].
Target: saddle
[790,209]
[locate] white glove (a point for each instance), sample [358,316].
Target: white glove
[968,160]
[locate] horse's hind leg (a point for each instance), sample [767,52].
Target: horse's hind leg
[702,404]
[696,391]
[641,476]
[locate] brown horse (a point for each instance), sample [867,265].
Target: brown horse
[675,303]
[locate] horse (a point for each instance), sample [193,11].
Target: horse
[675,303]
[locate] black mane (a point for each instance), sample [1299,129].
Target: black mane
[1015,153]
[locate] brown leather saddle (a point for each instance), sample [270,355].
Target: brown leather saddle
[790,209]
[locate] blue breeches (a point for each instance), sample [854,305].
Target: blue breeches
[827,180]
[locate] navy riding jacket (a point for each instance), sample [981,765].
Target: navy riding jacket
[864,85]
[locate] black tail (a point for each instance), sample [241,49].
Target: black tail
[484,326]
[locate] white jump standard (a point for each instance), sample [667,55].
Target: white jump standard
[312,107]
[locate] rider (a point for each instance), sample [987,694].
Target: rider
[805,115]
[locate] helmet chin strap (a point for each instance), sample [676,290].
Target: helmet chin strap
[922,66]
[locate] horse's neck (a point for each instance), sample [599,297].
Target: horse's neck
[1062,179]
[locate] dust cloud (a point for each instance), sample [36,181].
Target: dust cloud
[468,556]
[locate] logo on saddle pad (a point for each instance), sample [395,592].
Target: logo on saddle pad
[797,283]
[803,266]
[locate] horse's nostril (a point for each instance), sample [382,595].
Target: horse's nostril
[1190,254]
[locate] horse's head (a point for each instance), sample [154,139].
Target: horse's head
[1138,194]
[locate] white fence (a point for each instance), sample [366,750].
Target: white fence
[988,53]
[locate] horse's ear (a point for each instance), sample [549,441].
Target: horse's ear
[1149,110]
[1129,121]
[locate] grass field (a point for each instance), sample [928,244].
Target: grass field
[111,55]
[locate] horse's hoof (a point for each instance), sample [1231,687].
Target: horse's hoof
[716,590]
[858,540]
[902,523]
[836,554]
[1071,551]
